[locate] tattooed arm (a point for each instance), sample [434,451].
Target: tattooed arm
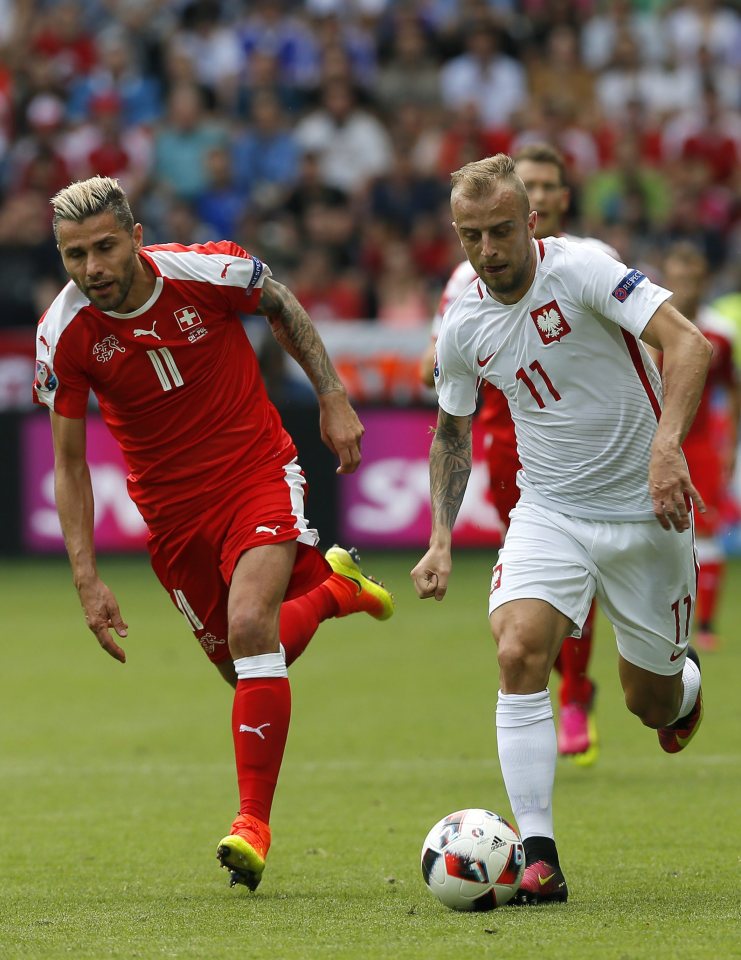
[450,467]
[292,328]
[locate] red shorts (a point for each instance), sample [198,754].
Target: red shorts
[195,562]
[503,463]
[706,471]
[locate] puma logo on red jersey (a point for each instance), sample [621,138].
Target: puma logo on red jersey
[148,333]
[226,267]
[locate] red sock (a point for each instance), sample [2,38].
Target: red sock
[573,660]
[708,588]
[260,719]
[300,619]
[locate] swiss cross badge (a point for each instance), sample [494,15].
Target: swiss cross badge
[550,322]
[187,318]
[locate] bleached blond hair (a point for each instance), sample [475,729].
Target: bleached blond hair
[480,177]
[88,198]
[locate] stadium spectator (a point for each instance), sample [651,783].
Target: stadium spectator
[559,68]
[265,154]
[263,79]
[269,29]
[403,299]
[325,293]
[61,37]
[628,192]
[346,41]
[649,85]
[117,73]
[182,144]
[36,161]
[29,264]
[605,29]
[180,389]
[695,27]
[214,50]
[584,510]
[560,121]
[662,87]
[410,75]
[465,138]
[103,146]
[710,133]
[352,144]
[403,196]
[484,75]
[222,204]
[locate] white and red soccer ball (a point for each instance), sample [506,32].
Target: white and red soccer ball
[473,860]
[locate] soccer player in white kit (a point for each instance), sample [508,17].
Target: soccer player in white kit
[557,325]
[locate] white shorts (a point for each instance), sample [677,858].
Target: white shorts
[644,577]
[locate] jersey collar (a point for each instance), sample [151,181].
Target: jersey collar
[158,285]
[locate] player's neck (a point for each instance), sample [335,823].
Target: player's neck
[141,289]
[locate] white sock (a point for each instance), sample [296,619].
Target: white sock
[264,665]
[526,739]
[690,688]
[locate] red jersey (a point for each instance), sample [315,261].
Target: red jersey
[177,380]
[721,375]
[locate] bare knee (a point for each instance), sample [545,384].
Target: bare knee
[253,631]
[524,662]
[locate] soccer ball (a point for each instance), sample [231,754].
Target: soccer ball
[473,860]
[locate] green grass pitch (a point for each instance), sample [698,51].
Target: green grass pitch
[116,782]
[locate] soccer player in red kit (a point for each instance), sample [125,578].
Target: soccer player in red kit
[155,333]
[710,445]
[541,168]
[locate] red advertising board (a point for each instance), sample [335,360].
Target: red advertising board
[118,524]
[386,503]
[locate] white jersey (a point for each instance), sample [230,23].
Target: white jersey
[464,274]
[585,397]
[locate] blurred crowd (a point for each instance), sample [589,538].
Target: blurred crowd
[320,134]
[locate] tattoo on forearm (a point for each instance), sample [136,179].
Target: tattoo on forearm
[450,467]
[294,331]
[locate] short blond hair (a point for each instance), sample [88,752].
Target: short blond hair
[88,198]
[479,178]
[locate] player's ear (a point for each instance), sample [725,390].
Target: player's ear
[137,235]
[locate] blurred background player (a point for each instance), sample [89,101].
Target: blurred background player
[541,168]
[710,445]
[155,332]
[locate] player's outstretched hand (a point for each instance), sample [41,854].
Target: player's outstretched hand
[671,488]
[430,576]
[102,615]
[340,429]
